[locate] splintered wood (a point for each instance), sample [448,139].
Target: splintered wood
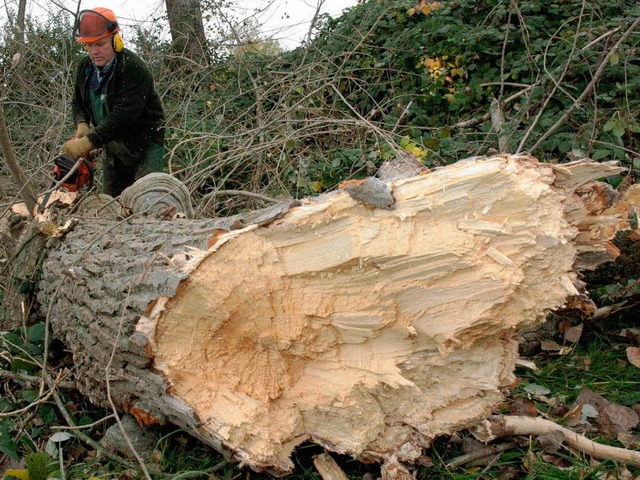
[371,331]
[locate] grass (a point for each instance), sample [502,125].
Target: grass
[598,363]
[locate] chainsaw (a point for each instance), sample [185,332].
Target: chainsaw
[81,177]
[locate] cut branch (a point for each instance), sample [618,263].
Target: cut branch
[501,426]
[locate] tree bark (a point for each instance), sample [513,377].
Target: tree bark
[369,321]
[187,32]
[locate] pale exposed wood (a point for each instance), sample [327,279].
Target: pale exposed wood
[328,468]
[392,469]
[58,196]
[367,330]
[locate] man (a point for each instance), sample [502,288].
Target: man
[115,105]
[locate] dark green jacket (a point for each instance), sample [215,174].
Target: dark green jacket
[134,114]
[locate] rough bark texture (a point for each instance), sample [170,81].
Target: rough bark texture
[187,31]
[367,329]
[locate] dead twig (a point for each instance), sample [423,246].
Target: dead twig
[589,87]
[472,122]
[5,375]
[83,436]
[488,451]
[26,193]
[38,401]
[497,122]
[243,193]
[84,426]
[556,83]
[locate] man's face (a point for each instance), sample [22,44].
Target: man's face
[101,52]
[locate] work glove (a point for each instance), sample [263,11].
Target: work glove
[82,130]
[77,147]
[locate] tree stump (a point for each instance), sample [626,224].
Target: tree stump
[367,330]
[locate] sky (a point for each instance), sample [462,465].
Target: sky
[285,20]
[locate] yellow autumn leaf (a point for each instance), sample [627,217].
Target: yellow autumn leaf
[416,152]
[316,186]
[450,98]
[411,12]
[433,64]
[21,474]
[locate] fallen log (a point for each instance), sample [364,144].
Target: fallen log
[368,327]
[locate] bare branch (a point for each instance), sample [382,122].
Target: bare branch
[589,87]
[26,193]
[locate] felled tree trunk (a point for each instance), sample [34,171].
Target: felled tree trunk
[368,326]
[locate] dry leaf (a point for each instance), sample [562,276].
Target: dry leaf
[523,362]
[552,441]
[629,440]
[536,390]
[573,334]
[617,474]
[633,355]
[588,412]
[524,407]
[574,416]
[615,419]
[550,346]
[470,444]
[592,398]
[555,460]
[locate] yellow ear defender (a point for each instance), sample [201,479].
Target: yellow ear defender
[118,43]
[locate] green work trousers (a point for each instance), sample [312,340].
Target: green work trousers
[118,175]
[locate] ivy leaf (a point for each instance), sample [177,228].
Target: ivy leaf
[618,130]
[37,332]
[47,414]
[12,340]
[8,447]
[600,154]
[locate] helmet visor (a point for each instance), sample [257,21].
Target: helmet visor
[92,25]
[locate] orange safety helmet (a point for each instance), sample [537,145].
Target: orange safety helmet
[96,24]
